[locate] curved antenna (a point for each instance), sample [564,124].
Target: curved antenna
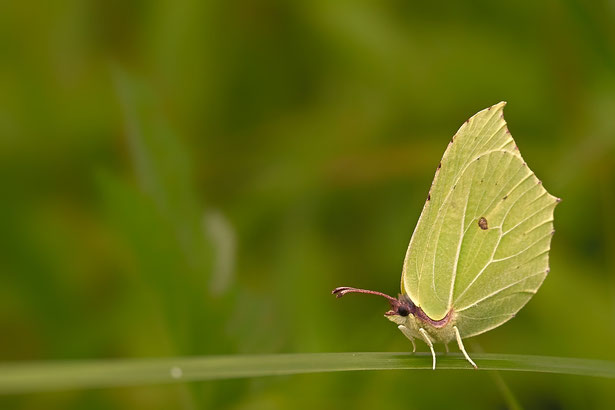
[341,291]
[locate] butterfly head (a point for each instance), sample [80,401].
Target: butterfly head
[400,306]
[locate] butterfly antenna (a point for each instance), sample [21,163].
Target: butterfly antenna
[341,291]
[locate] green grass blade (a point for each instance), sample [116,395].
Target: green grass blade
[47,376]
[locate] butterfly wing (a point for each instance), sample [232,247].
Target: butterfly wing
[481,244]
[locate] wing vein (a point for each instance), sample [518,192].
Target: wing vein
[531,216]
[496,292]
[484,141]
[461,236]
[524,250]
[433,273]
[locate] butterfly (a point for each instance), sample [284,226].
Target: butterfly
[480,249]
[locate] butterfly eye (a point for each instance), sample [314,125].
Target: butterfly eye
[403,311]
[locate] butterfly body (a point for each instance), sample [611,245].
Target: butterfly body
[480,249]
[440,331]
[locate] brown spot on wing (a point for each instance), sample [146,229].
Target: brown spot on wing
[482,222]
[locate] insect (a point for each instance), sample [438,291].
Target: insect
[480,249]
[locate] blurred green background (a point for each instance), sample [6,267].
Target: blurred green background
[194,177]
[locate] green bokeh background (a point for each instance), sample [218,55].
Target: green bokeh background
[194,177]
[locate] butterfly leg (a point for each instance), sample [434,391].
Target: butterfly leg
[463,349]
[430,344]
[406,333]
